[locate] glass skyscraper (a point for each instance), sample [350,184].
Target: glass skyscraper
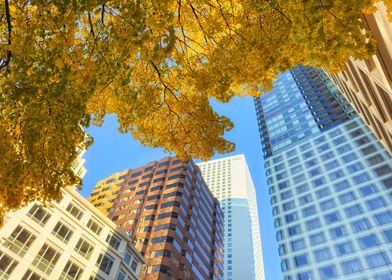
[329,181]
[230,182]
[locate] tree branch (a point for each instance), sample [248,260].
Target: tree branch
[103,14]
[7,61]
[163,83]
[91,25]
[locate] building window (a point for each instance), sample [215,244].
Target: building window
[162,239]
[71,271]
[286,195]
[84,248]
[338,232]
[360,225]
[291,217]
[314,172]
[336,175]
[296,169]
[305,199]
[7,265]
[95,227]
[327,272]
[294,230]
[376,203]
[376,260]
[121,275]
[387,182]
[105,263]
[343,185]
[388,235]
[384,218]
[298,244]
[134,265]
[346,197]
[359,179]
[75,211]
[349,158]
[299,179]
[62,232]
[368,190]
[283,185]
[46,259]
[284,264]
[344,248]
[353,211]
[20,240]
[289,205]
[327,156]
[331,165]
[376,159]
[305,275]
[369,150]
[30,275]
[309,211]
[318,182]
[113,241]
[323,193]
[317,238]
[39,214]
[322,254]
[327,204]
[301,260]
[323,148]
[332,218]
[355,167]
[313,224]
[311,163]
[351,266]
[368,241]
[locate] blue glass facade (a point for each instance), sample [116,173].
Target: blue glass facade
[329,181]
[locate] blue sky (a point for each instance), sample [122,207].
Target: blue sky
[113,152]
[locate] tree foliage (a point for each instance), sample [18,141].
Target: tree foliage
[155,64]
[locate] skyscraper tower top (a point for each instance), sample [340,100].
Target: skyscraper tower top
[230,181]
[303,102]
[329,182]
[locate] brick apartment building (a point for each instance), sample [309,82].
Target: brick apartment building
[169,211]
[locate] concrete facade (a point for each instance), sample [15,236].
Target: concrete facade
[367,84]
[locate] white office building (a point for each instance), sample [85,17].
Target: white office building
[66,239]
[230,182]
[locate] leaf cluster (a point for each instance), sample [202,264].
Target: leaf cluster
[156,65]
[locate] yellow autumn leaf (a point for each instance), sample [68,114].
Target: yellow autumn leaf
[156,65]
[59,63]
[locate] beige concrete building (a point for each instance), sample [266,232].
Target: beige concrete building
[368,84]
[67,239]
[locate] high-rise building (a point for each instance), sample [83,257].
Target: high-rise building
[230,182]
[168,209]
[66,239]
[367,84]
[329,181]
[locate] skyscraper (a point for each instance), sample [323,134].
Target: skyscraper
[167,208]
[367,84]
[329,181]
[230,181]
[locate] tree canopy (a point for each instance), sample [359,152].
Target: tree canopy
[156,65]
